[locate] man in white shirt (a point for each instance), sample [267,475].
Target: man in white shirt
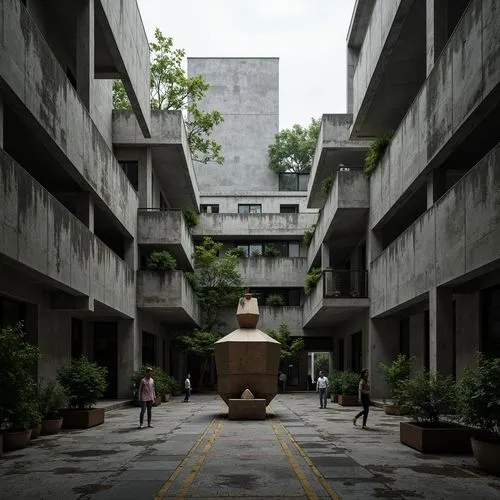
[187,388]
[322,388]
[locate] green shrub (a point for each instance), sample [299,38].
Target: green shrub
[192,218]
[349,384]
[375,153]
[326,185]
[428,396]
[335,383]
[479,395]
[312,278]
[84,383]
[162,261]
[163,382]
[275,300]
[18,397]
[308,235]
[272,250]
[51,399]
[237,252]
[397,371]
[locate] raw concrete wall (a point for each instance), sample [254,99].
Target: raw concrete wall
[460,234]
[246,92]
[31,72]
[40,233]
[260,225]
[272,271]
[127,41]
[270,202]
[102,109]
[450,102]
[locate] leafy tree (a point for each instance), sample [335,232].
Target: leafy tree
[290,347]
[293,149]
[321,363]
[161,260]
[171,88]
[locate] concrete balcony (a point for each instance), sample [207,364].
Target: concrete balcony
[390,66]
[166,229]
[170,153]
[273,271]
[169,296]
[458,238]
[43,96]
[334,150]
[337,297]
[248,226]
[42,238]
[454,102]
[125,55]
[343,220]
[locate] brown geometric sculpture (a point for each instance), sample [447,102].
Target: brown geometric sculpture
[247,358]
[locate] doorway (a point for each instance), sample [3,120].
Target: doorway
[106,353]
[356,352]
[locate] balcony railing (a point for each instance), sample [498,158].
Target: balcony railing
[345,284]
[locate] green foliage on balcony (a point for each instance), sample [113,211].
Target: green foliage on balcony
[326,185]
[275,300]
[161,261]
[375,153]
[308,235]
[192,218]
[312,278]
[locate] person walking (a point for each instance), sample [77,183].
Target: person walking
[187,388]
[322,387]
[282,379]
[363,398]
[147,396]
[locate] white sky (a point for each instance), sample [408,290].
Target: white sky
[309,37]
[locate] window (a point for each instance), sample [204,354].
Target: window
[148,349]
[293,249]
[131,169]
[270,248]
[249,209]
[289,209]
[209,209]
[291,181]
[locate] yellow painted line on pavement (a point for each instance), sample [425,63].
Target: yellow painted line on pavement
[160,494]
[194,471]
[306,486]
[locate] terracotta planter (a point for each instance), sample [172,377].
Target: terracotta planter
[335,398]
[52,426]
[82,419]
[344,400]
[165,398]
[395,410]
[157,401]
[443,438]
[486,452]
[16,440]
[35,431]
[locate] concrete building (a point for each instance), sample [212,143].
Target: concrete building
[428,218]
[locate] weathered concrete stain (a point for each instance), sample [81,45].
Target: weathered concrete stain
[90,489]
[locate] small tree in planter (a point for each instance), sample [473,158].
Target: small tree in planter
[84,383]
[51,399]
[161,261]
[479,406]
[335,385]
[349,389]
[394,374]
[429,397]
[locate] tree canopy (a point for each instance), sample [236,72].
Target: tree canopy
[171,88]
[290,347]
[293,149]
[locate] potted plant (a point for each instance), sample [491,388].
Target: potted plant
[335,386]
[429,397]
[17,395]
[83,383]
[479,407]
[349,389]
[394,374]
[50,399]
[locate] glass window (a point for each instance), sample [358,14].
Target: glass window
[291,181]
[131,169]
[249,209]
[209,209]
[294,249]
[255,249]
[303,182]
[244,248]
[289,209]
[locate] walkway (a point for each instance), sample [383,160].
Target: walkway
[193,451]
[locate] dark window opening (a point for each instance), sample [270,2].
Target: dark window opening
[131,169]
[148,349]
[289,209]
[11,312]
[106,353]
[427,326]
[490,338]
[356,352]
[291,296]
[163,202]
[76,338]
[108,233]
[291,181]
[404,337]
[209,209]
[340,355]
[249,208]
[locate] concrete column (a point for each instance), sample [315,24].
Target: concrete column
[441,330]
[146,180]
[85,51]
[468,321]
[325,256]
[384,347]
[437,33]
[1,122]
[85,209]
[330,364]
[128,355]
[303,369]
[352,61]
[417,341]
[374,246]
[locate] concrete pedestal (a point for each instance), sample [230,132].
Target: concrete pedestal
[247,409]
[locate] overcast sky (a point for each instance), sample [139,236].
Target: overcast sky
[309,37]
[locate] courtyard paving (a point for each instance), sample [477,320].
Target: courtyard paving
[193,451]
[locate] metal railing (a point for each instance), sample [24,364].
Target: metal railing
[152,209]
[345,283]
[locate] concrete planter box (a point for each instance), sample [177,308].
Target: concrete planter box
[82,419]
[165,398]
[441,438]
[487,453]
[52,426]
[16,440]
[345,400]
[335,398]
[395,410]
[35,431]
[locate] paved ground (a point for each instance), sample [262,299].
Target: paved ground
[193,451]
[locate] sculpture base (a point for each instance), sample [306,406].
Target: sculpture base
[247,409]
